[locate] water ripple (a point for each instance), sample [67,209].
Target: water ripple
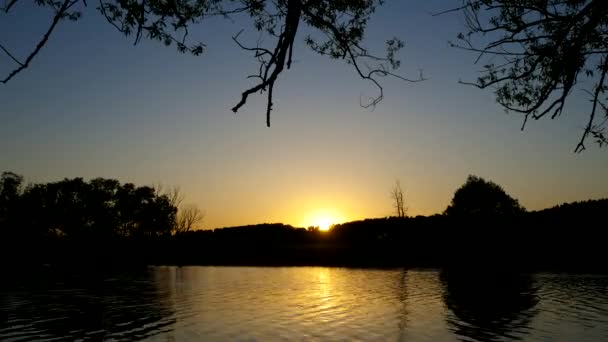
[307,303]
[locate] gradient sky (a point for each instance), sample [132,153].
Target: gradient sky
[93,105]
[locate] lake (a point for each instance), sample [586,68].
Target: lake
[302,303]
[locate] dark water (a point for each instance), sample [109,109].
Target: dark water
[309,303]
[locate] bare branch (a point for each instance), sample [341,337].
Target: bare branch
[277,60]
[58,16]
[599,89]
[457,9]
[398,200]
[188,218]
[258,50]
[10,4]
[10,55]
[353,58]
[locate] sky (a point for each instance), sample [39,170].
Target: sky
[94,105]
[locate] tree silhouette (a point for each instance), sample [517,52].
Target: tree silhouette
[10,191]
[489,307]
[188,218]
[337,29]
[398,201]
[537,52]
[479,198]
[76,209]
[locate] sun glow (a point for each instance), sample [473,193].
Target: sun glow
[324,224]
[323,219]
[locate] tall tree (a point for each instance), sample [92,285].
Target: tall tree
[536,53]
[10,186]
[398,200]
[10,191]
[337,29]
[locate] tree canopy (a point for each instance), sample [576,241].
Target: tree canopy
[10,190]
[536,53]
[337,30]
[478,198]
[73,208]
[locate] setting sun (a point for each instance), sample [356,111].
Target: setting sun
[324,224]
[323,219]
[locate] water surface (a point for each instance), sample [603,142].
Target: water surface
[303,303]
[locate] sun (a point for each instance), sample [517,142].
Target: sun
[324,219]
[324,224]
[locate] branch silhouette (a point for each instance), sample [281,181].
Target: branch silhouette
[546,50]
[337,31]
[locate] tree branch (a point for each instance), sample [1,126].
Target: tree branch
[545,44]
[10,4]
[599,88]
[278,58]
[10,55]
[58,16]
[347,51]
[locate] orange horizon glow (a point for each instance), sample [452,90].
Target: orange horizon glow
[324,219]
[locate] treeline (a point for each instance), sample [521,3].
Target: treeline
[103,222]
[556,239]
[75,209]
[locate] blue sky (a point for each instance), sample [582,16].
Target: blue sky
[94,105]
